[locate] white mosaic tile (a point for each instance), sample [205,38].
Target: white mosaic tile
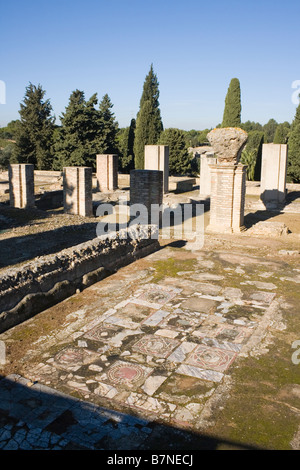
[193,371]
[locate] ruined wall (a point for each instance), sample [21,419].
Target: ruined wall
[47,280]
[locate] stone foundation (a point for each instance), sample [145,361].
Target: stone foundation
[45,281]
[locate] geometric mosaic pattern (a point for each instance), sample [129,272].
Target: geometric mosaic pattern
[211,358]
[157,346]
[127,373]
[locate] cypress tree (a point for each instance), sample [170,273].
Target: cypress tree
[179,158]
[125,140]
[233,108]
[148,123]
[34,133]
[293,169]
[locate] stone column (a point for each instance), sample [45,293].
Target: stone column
[107,172]
[146,189]
[157,158]
[205,176]
[228,181]
[273,175]
[21,185]
[78,191]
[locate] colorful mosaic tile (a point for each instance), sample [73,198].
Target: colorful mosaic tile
[158,346]
[101,333]
[130,315]
[211,358]
[182,321]
[156,295]
[127,373]
[72,358]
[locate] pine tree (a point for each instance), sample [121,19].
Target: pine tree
[76,140]
[34,133]
[293,169]
[233,108]
[108,128]
[282,133]
[179,158]
[149,124]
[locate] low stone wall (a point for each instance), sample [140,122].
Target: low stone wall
[47,280]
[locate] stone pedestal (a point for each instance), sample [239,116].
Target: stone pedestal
[157,158]
[228,189]
[21,185]
[205,174]
[273,175]
[146,190]
[78,191]
[107,172]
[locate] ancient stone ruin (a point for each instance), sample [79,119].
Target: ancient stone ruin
[21,185]
[107,172]
[228,180]
[157,158]
[78,191]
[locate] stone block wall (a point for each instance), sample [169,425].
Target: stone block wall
[77,183]
[21,185]
[45,281]
[107,172]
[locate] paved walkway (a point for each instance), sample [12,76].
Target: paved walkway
[143,359]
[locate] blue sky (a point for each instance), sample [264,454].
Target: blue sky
[196,47]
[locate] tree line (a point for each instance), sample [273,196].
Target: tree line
[89,127]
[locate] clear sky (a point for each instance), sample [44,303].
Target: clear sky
[196,47]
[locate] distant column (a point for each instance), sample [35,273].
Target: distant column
[205,176]
[146,189]
[107,172]
[21,185]
[157,158]
[273,174]
[78,191]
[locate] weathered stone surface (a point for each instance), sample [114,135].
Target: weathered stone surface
[228,144]
[49,279]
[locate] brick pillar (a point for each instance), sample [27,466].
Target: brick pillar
[157,158]
[21,185]
[78,191]
[227,203]
[146,188]
[107,172]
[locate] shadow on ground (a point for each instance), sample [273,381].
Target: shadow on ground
[33,417]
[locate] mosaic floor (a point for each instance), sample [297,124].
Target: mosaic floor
[159,347]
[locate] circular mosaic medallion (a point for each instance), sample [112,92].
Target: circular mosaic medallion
[125,373]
